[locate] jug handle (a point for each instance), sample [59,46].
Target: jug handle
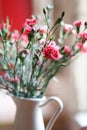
[57,113]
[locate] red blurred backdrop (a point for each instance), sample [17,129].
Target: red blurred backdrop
[16,10]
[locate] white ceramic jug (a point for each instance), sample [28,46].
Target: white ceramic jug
[29,115]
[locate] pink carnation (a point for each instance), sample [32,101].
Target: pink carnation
[2,72]
[11,65]
[67,50]
[27,29]
[43,29]
[31,22]
[24,40]
[8,78]
[80,35]
[15,80]
[15,36]
[68,28]
[42,41]
[20,48]
[53,43]
[84,36]
[52,52]
[77,23]
[26,51]
[83,47]
[79,45]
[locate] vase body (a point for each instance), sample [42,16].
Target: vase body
[28,115]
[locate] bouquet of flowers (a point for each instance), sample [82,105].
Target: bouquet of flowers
[31,57]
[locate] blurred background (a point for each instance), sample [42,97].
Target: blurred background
[71,84]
